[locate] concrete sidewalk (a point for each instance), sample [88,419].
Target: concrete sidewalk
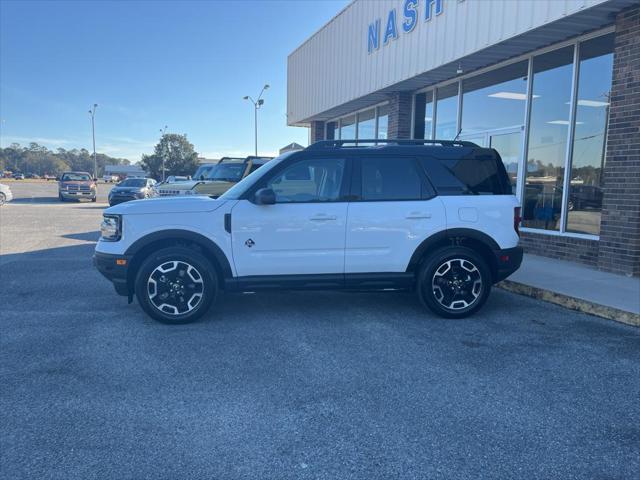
[578,287]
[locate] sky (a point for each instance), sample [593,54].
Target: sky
[147,64]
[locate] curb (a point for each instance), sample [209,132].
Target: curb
[572,303]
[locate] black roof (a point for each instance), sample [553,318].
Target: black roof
[388,143]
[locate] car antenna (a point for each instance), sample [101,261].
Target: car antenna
[459,132]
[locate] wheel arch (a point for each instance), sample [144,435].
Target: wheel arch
[144,246]
[462,237]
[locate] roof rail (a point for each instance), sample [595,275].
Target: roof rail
[375,142]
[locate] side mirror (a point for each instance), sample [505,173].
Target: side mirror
[265,196]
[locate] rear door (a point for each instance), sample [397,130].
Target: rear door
[393,210]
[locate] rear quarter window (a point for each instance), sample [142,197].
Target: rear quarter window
[477,173]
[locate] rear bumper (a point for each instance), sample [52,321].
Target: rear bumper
[508,261]
[117,274]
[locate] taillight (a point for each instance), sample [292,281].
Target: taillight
[517,218]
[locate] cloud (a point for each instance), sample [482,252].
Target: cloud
[6,140]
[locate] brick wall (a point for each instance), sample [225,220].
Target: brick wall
[620,226]
[317,131]
[564,248]
[400,115]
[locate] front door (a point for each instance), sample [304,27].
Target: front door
[304,232]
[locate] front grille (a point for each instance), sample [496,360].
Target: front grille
[168,193]
[79,188]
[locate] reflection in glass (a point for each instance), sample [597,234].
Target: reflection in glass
[592,111]
[447,112]
[331,131]
[348,128]
[494,100]
[383,121]
[367,124]
[508,146]
[548,133]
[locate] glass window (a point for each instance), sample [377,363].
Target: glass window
[592,112]
[367,124]
[477,174]
[447,112]
[548,133]
[423,121]
[348,128]
[383,121]
[313,180]
[386,178]
[502,92]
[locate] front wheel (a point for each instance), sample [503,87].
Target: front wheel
[3,198]
[176,285]
[454,282]
[60,197]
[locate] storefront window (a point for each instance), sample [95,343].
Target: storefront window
[331,131]
[495,100]
[367,124]
[447,112]
[348,128]
[383,121]
[592,111]
[548,133]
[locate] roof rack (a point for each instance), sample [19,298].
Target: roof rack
[376,142]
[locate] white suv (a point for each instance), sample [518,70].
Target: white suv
[434,216]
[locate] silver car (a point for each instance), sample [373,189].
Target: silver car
[5,194]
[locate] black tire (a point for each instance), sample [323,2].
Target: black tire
[175,287]
[60,197]
[3,198]
[448,279]
[93,200]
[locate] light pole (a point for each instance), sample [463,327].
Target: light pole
[256,106]
[92,112]
[163,131]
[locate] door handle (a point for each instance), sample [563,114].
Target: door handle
[418,215]
[322,217]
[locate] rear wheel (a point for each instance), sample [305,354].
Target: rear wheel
[454,282]
[176,285]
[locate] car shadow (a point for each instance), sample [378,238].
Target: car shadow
[86,236]
[39,200]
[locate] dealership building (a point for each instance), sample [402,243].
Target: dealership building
[552,85]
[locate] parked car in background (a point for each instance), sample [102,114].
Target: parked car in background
[131,189]
[439,219]
[5,194]
[48,177]
[18,176]
[204,170]
[176,179]
[76,185]
[226,173]
[110,178]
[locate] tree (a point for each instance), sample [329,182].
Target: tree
[178,153]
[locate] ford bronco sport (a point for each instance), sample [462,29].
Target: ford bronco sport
[434,216]
[226,173]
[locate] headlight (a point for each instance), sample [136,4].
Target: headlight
[111,228]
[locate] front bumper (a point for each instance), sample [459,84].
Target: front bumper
[108,266]
[508,260]
[116,199]
[91,194]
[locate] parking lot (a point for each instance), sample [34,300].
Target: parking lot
[293,384]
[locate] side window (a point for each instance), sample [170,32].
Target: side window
[312,180]
[386,178]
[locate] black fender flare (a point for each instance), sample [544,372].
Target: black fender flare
[450,234]
[176,234]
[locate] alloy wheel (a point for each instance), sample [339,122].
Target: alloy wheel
[457,284]
[175,287]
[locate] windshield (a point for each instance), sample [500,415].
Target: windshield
[228,172]
[76,177]
[235,192]
[203,171]
[133,182]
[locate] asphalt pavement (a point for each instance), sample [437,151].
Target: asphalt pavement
[304,385]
